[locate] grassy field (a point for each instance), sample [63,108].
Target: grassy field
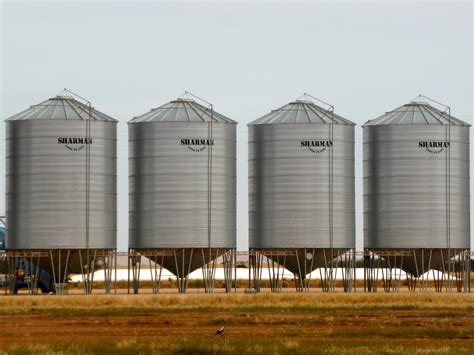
[262,323]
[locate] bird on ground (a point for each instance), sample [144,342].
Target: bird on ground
[220,330]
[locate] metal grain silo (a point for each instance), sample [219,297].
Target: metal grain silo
[61,186]
[416,194]
[182,164]
[301,192]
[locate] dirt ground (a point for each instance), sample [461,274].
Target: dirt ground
[321,323]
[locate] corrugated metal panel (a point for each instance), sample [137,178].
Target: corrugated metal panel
[61,108]
[416,113]
[301,112]
[169,184]
[182,110]
[46,183]
[416,195]
[289,183]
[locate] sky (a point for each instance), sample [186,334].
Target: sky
[247,58]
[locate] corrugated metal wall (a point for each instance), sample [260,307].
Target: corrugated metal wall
[414,196]
[169,185]
[46,185]
[289,186]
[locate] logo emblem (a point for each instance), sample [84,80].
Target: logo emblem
[316,146]
[434,147]
[196,144]
[74,144]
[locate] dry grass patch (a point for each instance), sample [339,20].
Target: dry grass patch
[262,323]
[262,302]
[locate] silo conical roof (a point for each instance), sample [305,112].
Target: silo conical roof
[302,111]
[182,110]
[416,113]
[61,107]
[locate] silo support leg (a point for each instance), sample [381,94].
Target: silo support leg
[389,271]
[136,264]
[59,266]
[109,258]
[209,268]
[275,265]
[467,271]
[347,264]
[299,278]
[323,274]
[373,277]
[182,273]
[366,275]
[156,271]
[327,274]
[304,260]
[178,279]
[443,275]
[412,279]
[255,269]
[271,270]
[462,270]
[37,273]
[229,266]
[424,281]
[370,275]
[11,276]
[32,271]
[88,259]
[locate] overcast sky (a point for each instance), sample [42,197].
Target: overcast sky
[365,58]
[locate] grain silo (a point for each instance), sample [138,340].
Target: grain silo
[301,194]
[182,178]
[416,197]
[61,188]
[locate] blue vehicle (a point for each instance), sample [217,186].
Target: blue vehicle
[2,238]
[26,272]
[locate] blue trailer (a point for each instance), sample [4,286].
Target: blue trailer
[26,272]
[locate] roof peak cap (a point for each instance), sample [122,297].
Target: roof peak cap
[182,99]
[310,99]
[62,97]
[190,97]
[301,101]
